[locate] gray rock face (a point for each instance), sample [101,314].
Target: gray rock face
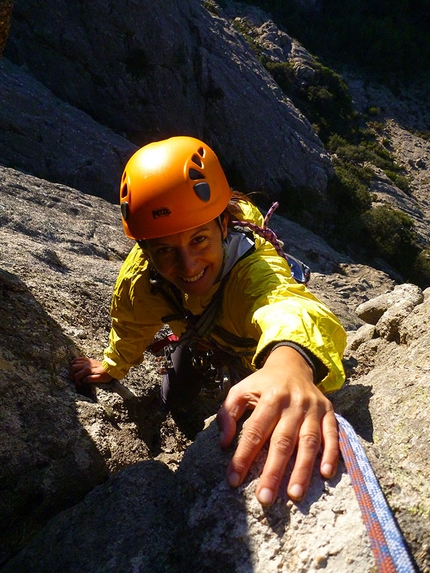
[392,373]
[44,135]
[149,73]
[154,495]
[148,519]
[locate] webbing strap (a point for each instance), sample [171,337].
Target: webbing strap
[300,272]
[388,545]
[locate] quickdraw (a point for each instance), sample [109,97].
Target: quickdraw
[388,545]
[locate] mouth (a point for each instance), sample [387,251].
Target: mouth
[194,278]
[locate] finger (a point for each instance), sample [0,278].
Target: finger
[226,422]
[77,364]
[80,372]
[254,435]
[74,371]
[233,408]
[282,445]
[330,437]
[308,445]
[79,360]
[94,379]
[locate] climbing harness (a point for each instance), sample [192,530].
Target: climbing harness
[388,546]
[300,272]
[219,365]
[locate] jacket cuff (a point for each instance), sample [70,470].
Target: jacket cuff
[318,368]
[112,371]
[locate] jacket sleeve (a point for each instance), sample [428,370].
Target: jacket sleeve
[308,323]
[276,309]
[135,313]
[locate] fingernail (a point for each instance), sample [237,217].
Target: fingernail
[265,497]
[233,479]
[327,470]
[296,491]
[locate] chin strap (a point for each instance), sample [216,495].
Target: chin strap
[388,545]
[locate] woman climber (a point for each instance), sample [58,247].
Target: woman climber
[205,264]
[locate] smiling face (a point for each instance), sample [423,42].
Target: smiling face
[191,260]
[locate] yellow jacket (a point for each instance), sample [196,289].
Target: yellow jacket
[261,301]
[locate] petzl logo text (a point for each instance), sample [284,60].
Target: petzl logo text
[164,212]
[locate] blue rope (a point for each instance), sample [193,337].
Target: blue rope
[388,545]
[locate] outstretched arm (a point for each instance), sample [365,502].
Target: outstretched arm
[291,412]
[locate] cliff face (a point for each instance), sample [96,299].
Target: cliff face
[82,85]
[61,252]
[148,71]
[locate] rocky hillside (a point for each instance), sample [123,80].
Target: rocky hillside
[61,251]
[200,77]
[80,119]
[102,479]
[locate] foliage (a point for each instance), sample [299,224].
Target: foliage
[211,6]
[348,188]
[368,232]
[245,28]
[421,269]
[391,236]
[324,100]
[391,233]
[349,221]
[372,232]
[400,181]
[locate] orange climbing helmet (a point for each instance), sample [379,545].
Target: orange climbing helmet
[172,186]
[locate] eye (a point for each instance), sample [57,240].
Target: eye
[161,251]
[199,239]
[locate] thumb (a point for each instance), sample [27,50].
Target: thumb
[226,425]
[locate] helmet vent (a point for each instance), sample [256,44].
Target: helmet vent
[203,191]
[196,159]
[194,174]
[124,191]
[124,210]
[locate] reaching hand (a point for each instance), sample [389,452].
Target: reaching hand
[88,371]
[290,411]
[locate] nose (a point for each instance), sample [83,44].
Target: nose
[186,263]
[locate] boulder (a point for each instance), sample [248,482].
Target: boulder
[401,300]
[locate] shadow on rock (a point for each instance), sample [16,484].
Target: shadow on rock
[48,462]
[151,520]
[352,402]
